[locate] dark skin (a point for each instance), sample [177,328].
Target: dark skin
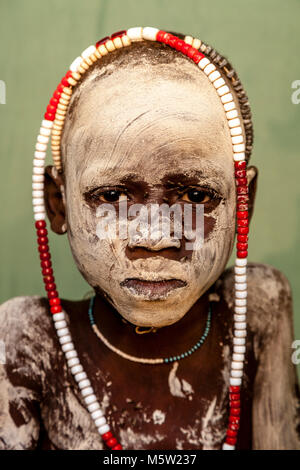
[165,342]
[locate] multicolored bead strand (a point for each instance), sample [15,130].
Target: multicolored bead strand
[52,125]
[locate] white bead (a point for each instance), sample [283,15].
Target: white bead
[236,373]
[150,33]
[241,261]
[67,347]
[87,391]
[239,148]
[40,216]
[241,302]
[240,286]
[38,201]
[85,383]
[38,170]
[240,325]
[219,83]
[234,122]
[238,157]
[65,339]
[235,381]
[236,130]
[36,193]
[97,414]
[58,316]
[135,34]
[80,376]
[237,365]
[209,69]
[60,324]
[239,341]
[203,63]
[47,124]
[227,98]
[229,106]
[62,332]
[75,369]
[38,163]
[71,353]
[226,446]
[214,76]
[238,357]
[240,269]
[240,333]
[90,399]
[239,318]
[241,294]
[37,185]
[41,147]
[93,407]
[232,114]
[42,139]
[238,139]
[45,132]
[87,52]
[37,178]
[239,349]
[240,310]
[103,429]
[74,361]
[100,421]
[37,209]
[240,278]
[40,155]
[223,90]
[75,64]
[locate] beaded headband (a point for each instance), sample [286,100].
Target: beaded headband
[52,125]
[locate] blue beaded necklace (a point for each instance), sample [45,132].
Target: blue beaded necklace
[165,360]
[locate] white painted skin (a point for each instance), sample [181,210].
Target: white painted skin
[169,123]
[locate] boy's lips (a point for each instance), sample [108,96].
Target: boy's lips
[152,288]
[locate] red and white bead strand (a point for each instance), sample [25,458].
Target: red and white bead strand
[53,124]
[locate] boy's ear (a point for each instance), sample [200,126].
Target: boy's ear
[54,199]
[252,174]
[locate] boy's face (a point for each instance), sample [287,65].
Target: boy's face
[141,137]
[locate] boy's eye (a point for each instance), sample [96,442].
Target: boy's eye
[112,195]
[196,195]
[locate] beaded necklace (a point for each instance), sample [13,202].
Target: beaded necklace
[52,125]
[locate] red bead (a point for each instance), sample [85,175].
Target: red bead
[117,447]
[102,41]
[240,173]
[233,427]
[53,302]
[52,294]
[40,224]
[69,74]
[234,389]
[242,198]
[242,246]
[42,240]
[46,264]
[231,433]
[56,309]
[241,181]
[50,286]
[242,238]
[111,442]
[172,41]
[243,230]
[235,404]
[242,222]
[166,37]
[160,35]
[107,435]
[231,440]
[235,411]
[240,165]
[60,88]
[242,254]
[45,256]
[49,116]
[118,34]
[197,57]
[54,102]
[57,95]
[242,189]
[48,279]
[234,420]
[64,81]
[242,214]
[47,271]
[185,48]
[234,396]
[241,207]
[179,44]
[191,52]
[43,248]
[51,109]
[42,232]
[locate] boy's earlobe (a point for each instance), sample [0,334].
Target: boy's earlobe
[54,200]
[252,174]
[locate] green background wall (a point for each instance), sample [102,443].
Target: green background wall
[38,41]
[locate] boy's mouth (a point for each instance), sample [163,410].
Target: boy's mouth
[154,289]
